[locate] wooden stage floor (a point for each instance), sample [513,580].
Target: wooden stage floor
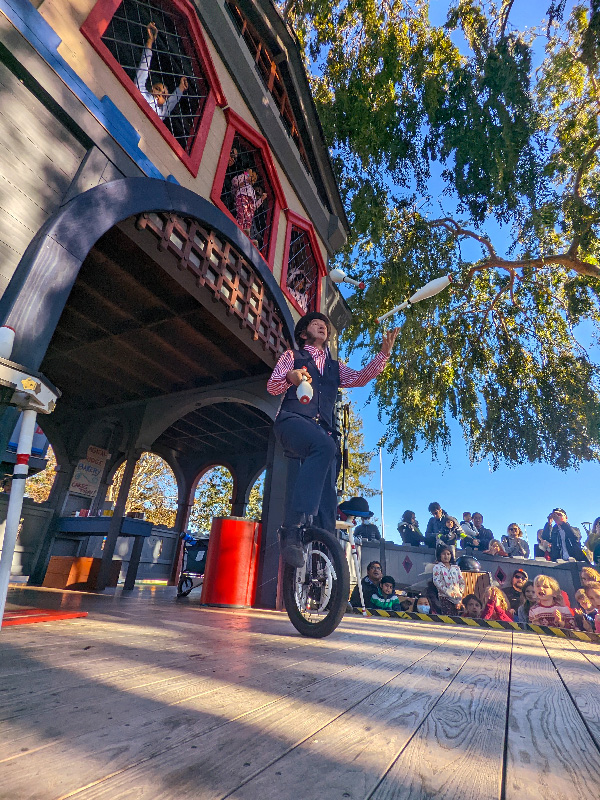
[149,698]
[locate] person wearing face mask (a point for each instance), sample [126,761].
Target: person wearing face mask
[422,606]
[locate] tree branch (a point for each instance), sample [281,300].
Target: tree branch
[569,259]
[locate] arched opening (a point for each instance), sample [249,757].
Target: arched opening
[166,309]
[212,498]
[256,498]
[153,492]
[39,486]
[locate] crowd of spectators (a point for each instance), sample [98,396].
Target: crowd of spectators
[556,540]
[539,602]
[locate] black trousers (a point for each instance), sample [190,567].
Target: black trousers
[311,486]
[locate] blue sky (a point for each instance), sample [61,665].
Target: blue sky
[524,494]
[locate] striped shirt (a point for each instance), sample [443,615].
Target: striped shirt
[349,378]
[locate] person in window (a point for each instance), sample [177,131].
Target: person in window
[247,200]
[158,98]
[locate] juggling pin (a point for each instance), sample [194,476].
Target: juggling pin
[429,290]
[339,276]
[304,392]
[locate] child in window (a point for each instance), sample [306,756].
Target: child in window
[386,598]
[158,98]
[246,200]
[550,609]
[473,607]
[528,600]
[496,605]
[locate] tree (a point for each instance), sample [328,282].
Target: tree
[213,499]
[38,486]
[358,473]
[468,160]
[153,490]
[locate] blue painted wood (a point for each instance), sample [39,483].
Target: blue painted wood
[98,526]
[37,293]
[34,28]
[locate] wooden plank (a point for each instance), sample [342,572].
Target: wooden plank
[351,754]
[457,752]
[124,730]
[548,744]
[582,682]
[248,732]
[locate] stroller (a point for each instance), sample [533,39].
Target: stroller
[192,568]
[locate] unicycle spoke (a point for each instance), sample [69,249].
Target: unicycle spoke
[316,594]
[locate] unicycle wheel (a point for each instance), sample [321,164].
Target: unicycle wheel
[316,594]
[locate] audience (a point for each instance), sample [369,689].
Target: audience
[473,606]
[409,530]
[370,585]
[450,534]
[528,600]
[448,581]
[436,524]
[468,526]
[515,590]
[542,548]
[564,542]
[423,606]
[386,596]
[514,543]
[495,549]
[496,605]
[593,593]
[586,613]
[550,608]
[484,535]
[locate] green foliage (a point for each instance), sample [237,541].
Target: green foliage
[213,499]
[406,104]
[358,473]
[38,486]
[153,490]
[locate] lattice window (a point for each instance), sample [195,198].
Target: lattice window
[247,193]
[156,49]
[303,265]
[302,271]
[169,63]
[222,271]
[269,71]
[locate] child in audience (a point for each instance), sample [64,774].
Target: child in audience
[386,598]
[550,608]
[589,575]
[495,549]
[593,593]
[586,613]
[448,580]
[496,605]
[158,98]
[528,600]
[423,606]
[473,607]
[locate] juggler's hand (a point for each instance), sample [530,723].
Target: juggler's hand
[388,341]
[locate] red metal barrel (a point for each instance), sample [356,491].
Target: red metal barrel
[231,562]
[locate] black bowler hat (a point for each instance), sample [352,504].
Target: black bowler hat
[356,507]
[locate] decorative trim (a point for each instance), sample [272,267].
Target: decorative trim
[294,219]
[561,633]
[237,124]
[94,28]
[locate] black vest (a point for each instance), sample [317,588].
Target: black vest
[325,388]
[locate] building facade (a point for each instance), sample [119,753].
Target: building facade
[168,211]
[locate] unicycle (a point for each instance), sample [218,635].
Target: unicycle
[316,594]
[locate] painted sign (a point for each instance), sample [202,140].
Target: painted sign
[88,474]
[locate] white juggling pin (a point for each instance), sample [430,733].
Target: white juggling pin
[339,276]
[429,290]
[304,392]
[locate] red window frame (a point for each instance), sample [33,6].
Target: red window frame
[237,124]
[296,221]
[94,28]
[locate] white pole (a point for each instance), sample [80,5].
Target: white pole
[381,493]
[15,502]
